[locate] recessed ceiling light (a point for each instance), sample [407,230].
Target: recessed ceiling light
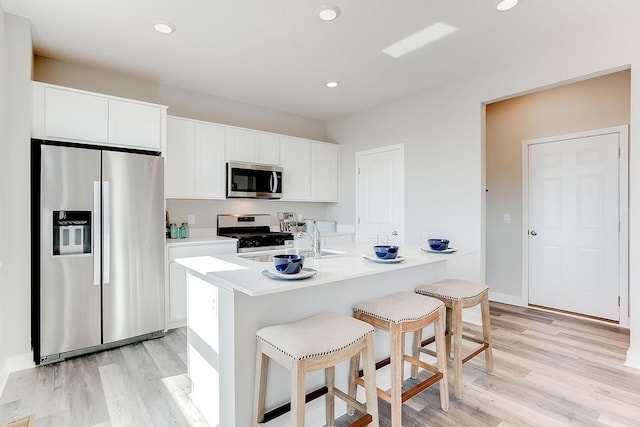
[419,39]
[164,27]
[506,4]
[328,12]
[332,83]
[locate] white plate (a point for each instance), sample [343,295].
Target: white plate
[374,258]
[446,251]
[305,273]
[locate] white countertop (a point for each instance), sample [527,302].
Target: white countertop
[245,275]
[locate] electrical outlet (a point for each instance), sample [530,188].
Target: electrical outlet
[191,219]
[506,219]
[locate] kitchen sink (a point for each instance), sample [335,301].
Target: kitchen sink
[268,257]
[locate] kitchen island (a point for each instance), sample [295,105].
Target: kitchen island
[229,299]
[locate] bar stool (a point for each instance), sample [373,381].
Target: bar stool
[456,295]
[399,314]
[318,342]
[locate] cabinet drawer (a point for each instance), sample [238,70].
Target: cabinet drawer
[202,250]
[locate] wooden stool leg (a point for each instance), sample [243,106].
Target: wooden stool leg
[297,393]
[354,369]
[262,367]
[330,379]
[486,332]
[457,347]
[417,340]
[449,331]
[396,375]
[371,390]
[442,359]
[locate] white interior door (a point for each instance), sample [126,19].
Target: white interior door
[573,226]
[380,194]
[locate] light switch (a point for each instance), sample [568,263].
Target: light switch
[191,219]
[506,218]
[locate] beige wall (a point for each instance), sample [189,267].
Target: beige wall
[591,104]
[181,102]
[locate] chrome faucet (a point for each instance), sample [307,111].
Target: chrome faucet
[316,250]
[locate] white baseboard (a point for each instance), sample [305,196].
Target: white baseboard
[633,359]
[13,364]
[506,298]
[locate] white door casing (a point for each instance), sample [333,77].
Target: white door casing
[575,250]
[380,194]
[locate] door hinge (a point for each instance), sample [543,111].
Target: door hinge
[619,152]
[358,171]
[618,300]
[358,220]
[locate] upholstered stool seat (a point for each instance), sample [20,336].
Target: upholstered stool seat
[456,295]
[399,314]
[318,342]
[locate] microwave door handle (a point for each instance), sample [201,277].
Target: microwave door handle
[274,182]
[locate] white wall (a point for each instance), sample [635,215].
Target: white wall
[442,130]
[15,333]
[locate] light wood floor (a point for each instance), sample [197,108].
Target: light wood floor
[550,370]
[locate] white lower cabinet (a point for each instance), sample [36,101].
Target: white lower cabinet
[176,307]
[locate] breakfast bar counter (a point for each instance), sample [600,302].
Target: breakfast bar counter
[230,298]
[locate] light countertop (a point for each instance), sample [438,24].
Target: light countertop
[244,275]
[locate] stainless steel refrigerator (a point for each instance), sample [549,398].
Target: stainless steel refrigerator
[98,227]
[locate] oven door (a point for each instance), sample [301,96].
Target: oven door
[246,180]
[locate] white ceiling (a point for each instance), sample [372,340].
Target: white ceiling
[278,54]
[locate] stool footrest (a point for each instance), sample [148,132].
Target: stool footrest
[479,350]
[350,400]
[422,386]
[427,351]
[473,338]
[420,363]
[363,421]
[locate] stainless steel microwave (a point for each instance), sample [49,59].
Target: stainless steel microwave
[253,181]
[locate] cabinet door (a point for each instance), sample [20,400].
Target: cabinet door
[179,174]
[75,115]
[295,159]
[266,148]
[324,172]
[135,124]
[239,145]
[177,295]
[209,161]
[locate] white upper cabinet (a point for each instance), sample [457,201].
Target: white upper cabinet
[135,124]
[324,172]
[179,171]
[295,159]
[210,165]
[194,164]
[245,145]
[75,115]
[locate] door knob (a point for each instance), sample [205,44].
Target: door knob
[395,233]
[533,232]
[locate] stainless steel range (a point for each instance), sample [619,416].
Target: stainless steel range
[253,232]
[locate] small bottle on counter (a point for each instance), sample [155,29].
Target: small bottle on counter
[184,230]
[173,231]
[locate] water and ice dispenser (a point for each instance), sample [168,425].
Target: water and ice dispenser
[71,232]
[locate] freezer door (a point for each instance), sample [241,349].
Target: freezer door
[69,249]
[134,229]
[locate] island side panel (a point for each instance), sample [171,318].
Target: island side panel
[254,312]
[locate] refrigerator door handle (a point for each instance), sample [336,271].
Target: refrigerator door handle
[97,234]
[106,228]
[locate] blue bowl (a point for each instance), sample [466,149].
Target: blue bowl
[439,244]
[386,251]
[288,264]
